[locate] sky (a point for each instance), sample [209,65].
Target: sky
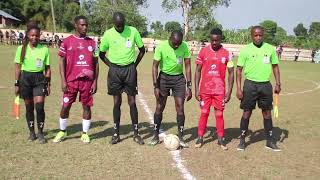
[245,13]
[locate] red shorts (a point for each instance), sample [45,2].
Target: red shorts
[82,86]
[208,100]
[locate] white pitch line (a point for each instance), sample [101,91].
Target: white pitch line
[175,154]
[305,91]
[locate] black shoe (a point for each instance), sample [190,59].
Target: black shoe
[115,139]
[137,138]
[222,143]
[183,142]
[32,136]
[155,140]
[41,138]
[242,144]
[199,142]
[271,145]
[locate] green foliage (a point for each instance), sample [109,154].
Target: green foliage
[196,13]
[314,30]
[300,31]
[172,26]
[100,14]
[270,29]
[201,33]
[237,36]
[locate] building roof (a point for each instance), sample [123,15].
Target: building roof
[6,15]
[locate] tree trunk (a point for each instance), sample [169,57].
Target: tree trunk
[185,9]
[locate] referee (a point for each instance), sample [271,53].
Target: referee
[258,60]
[169,57]
[32,79]
[120,42]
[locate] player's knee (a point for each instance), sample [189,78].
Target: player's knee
[218,113]
[29,108]
[246,114]
[64,113]
[40,109]
[132,104]
[266,114]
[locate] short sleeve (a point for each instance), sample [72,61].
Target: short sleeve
[187,53]
[104,45]
[18,55]
[138,39]
[47,58]
[157,54]
[63,49]
[200,57]
[274,58]
[242,58]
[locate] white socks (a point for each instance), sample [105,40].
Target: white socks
[86,125]
[63,124]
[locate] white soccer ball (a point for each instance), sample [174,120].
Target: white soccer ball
[171,142]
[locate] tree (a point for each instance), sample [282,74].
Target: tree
[270,29]
[13,7]
[101,11]
[195,12]
[300,31]
[157,27]
[201,33]
[314,30]
[172,26]
[280,36]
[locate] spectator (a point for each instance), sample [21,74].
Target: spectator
[313,54]
[1,37]
[296,54]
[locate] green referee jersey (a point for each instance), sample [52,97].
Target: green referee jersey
[171,60]
[257,62]
[121,46]
[35,58]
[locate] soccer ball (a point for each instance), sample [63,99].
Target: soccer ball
[171,142]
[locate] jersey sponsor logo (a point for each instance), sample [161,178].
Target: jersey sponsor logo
[81,61]
[80,46]
[81,57]
[90,48]
[212,70]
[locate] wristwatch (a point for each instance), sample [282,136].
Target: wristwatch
[16,83]
[189,84]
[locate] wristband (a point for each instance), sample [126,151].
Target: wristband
[47,80]
[155,85]
[189,84]
[16,83]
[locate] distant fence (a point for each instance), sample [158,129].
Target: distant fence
[287,54]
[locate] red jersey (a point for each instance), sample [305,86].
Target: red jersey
[214,64]
[79,55]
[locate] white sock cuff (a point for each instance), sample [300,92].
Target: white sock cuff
[63,123]
[86,125]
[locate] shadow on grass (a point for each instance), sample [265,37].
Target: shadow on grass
[76,128]
[210,136]
[126,131]
[279,135]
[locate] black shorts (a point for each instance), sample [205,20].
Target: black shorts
[122,79]
[31,84]
[175,83]
[254,92]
